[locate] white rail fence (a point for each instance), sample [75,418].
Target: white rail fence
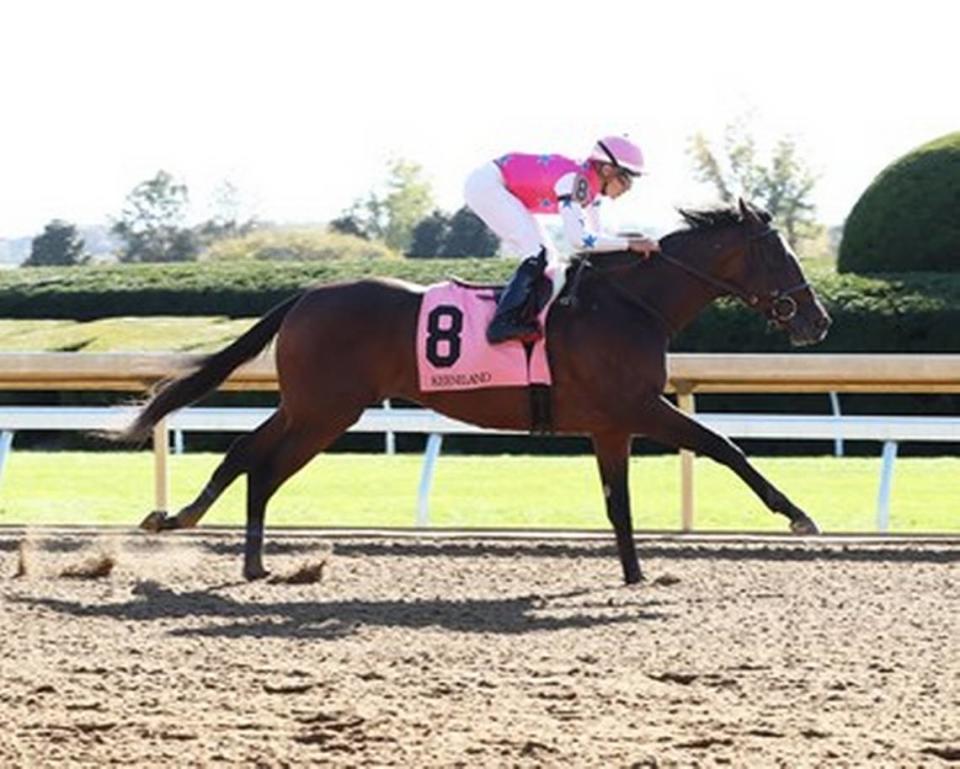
[689,374]
[887,430]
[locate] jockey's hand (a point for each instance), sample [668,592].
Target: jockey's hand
[643,246]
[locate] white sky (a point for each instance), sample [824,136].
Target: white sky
[301,104]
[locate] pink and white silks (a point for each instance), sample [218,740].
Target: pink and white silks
[509,193]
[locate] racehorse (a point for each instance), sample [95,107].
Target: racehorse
[343,346]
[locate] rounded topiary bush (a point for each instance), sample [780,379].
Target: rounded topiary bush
[908,219]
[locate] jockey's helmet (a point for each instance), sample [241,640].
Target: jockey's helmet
[620,152]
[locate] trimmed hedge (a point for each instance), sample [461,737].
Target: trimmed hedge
[236,288]
[894,313]
[909,217]
[907,313]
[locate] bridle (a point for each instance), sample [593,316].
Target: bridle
[779,304]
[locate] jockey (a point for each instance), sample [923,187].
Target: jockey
[508,192]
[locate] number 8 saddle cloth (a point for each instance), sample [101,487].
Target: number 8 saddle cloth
[452,348]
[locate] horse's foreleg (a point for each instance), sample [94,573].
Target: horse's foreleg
[666,424]
[613,458]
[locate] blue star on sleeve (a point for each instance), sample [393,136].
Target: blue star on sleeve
[544,159]
[589,240]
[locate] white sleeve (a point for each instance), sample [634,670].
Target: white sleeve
[581,220]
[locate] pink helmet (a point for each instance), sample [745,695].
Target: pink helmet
[619,151]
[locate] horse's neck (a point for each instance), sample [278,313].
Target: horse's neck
[675,295]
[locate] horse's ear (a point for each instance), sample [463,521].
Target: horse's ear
[746,211]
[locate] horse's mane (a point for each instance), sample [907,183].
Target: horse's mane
[707,219]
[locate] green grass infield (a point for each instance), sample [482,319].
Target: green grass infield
[353,490]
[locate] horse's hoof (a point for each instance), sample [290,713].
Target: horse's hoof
[805,527]
[154,522]
[253,574]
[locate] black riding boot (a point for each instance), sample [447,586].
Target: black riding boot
[508,321]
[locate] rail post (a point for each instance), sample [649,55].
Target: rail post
[434,443]
[886,486]
[161,472]
[835,408]
[687,404]
[6,444]
[390,442]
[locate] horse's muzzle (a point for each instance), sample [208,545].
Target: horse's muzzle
[804,331]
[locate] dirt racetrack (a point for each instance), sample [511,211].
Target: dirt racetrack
[481,653]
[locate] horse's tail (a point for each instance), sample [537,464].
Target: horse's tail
[209,372]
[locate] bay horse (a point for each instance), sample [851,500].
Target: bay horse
[343,346]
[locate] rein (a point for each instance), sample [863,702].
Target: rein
[780,304]
[782,307]
[571,299]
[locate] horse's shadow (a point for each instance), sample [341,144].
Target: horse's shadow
[222,616]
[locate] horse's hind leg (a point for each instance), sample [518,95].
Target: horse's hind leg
[239,457]
[666,424]
[297,446]
[613,458]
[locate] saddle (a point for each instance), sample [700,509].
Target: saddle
[537,303]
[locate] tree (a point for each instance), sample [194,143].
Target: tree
[469,236]
[782,186]
[59,244]
[152,224]
[408,199]
[452,237]
[348,224]
[230,218]
[366,218]
[392,215]
[429,235]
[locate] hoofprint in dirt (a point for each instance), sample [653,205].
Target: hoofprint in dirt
[429,652]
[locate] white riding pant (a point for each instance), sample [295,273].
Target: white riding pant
[487,196]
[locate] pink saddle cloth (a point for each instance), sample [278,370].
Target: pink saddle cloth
[452,348]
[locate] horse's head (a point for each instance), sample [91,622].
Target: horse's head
[776,284]
[753,262]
